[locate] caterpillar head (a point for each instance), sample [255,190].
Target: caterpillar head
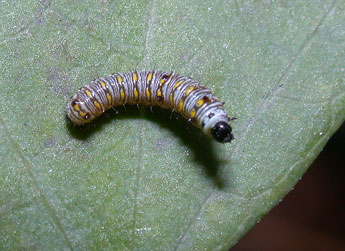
[77,111]
[221,132]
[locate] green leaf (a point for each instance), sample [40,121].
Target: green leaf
[140,180]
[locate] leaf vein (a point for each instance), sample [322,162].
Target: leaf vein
[28,168]
[149,33]
[182,237]
[266,104]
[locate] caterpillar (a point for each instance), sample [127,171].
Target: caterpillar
[168,90]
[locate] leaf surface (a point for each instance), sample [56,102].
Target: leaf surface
[141,180]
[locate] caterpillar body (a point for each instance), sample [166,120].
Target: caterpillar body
[168,90]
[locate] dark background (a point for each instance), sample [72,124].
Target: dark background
[312,216]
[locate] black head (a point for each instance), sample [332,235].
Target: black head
[222,132]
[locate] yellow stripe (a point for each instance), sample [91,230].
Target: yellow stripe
[136,94]
[109,97]
[148,94]
[171,99]
[192,113]
[189,90]
[159,93]
[200,102]
[180,106]
[178,84]
[135,76]
[98,105]
[82,114]
[103,84]
[88,93]
[76,107]
[119,78]
[163,81]
[122,94]
[149,77]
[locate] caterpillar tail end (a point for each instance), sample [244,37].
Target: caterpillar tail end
[75,112]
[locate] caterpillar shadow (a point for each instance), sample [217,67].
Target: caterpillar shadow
[201,146]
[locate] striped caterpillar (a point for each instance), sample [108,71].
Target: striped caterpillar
[168,90]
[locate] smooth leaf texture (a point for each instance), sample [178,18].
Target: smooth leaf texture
[140,180]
